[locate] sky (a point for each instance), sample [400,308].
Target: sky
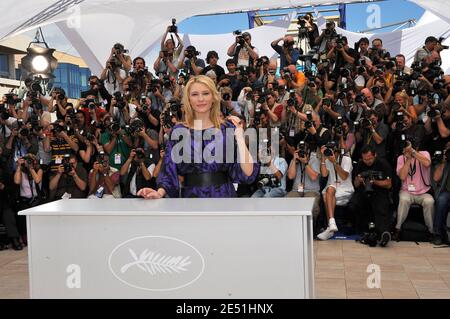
[391,11]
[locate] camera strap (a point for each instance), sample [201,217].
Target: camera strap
[412,169]
[339,162]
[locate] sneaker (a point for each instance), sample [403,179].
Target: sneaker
[385,238]
[326,234]
[437,240]
[332,225]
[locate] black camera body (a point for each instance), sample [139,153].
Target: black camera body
[309,120]
[190,53]
[438,156]
[266,180]
[11,99]
[369,176]
[239,38]
[371,237]
[173,28]
[330,148]
[140,154]
[302,149]
[114,127]
[120,100]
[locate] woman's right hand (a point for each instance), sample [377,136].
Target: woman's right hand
[149,193]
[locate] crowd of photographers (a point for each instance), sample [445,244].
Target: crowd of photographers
[358,128]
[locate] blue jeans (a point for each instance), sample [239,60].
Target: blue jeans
[440,212]
[270,192]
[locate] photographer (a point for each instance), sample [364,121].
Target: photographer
[370,202]
[327,34]
[142,138]
[441,179]
[211,58]
[6,122]
[341,53]
[304,169]
[136,173]
[116,143]
[362,46]
[402,127]
[431,44]
[169,44]
[21,141]
[190,64]
[343,137]
[28,176]
[414,169]
[59,142]
[7,214]
[400,62]
[227,106]
[373,132]
[442,121]
[242,50]
[103,179]
[288,54]
[377,53]
[272,178]
[116,70]
[96,91]
[140,76]
[337,169]
[121,111]
[58,103]
[272,109]
[164,63]
[69,180]
[147,114]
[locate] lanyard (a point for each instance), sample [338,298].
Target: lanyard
[412,169]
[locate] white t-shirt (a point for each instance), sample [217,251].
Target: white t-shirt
[133,190]
[345,185]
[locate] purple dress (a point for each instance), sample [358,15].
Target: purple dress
[168,176]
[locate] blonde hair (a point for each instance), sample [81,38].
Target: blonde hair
[404,96]
[189,114]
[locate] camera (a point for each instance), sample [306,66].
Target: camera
[4,115]
[114,127]
[444,47]
[120,100]
[57,128]
[327,102]
[369,176]
[365,123]
[243,73]
[438,156]
[226,96]
[399,121]
[23,130]
[135,126]
[190,52]
[140,155]
[345,73]
[302,149]
[404,142]
[265,180]
[371,237]
[239,37]
[11,99]
[309,120]
[375,90]
[292,101]
[173,28]
[115,61]
[434,111]
[338,129]
[330,148]
[66,164]
[339,41]
[360,98]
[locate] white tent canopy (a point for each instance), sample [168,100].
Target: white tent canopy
[93,26]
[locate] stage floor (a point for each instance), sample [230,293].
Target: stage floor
[408,270]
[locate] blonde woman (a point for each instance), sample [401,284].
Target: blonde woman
[204,178]
[402,98]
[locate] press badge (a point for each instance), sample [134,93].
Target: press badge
[411,188]
[300,188]
[117,159]
[58,160]
[291,133]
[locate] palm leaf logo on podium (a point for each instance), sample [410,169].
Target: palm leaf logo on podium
[153,263]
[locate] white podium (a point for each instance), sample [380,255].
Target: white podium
[172,248]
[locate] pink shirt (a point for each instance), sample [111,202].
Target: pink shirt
[420,179]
